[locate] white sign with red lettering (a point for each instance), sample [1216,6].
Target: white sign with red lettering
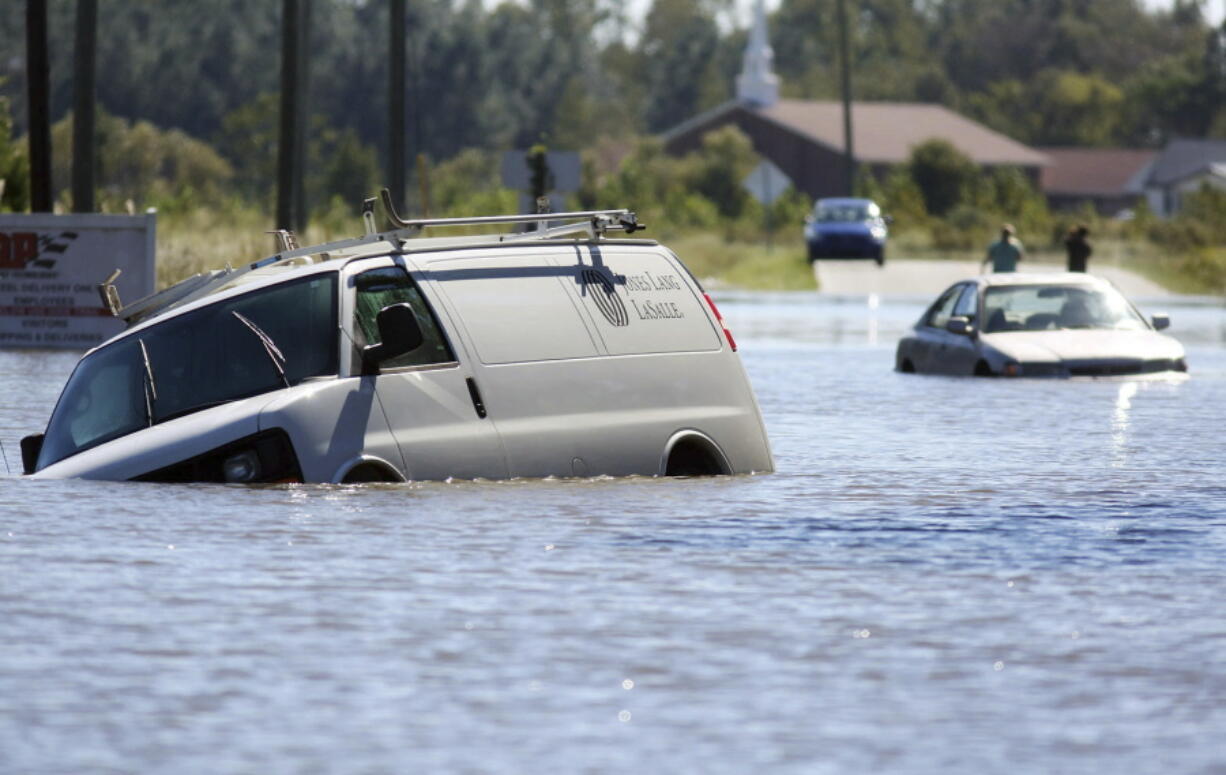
[50,268]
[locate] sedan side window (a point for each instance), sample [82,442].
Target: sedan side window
[380,288]
[940,313]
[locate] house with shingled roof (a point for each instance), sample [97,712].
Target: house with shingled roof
[1184,166]
[1111,180]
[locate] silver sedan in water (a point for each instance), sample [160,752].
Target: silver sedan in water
[1037,325]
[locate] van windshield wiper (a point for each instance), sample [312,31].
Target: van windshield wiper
[151,389]
[270,347]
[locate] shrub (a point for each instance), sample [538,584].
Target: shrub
[945,176]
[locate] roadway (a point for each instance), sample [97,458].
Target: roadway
[926,279]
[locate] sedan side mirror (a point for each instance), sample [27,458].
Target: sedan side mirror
[887,218]
[31,448]
[1160,321]
[399,333]
[960,324]
[809,218]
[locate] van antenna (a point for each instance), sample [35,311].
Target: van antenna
[6,458]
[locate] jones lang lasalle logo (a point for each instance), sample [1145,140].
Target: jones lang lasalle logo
[20,250]
[604,294]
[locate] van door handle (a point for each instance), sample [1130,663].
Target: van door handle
[475,394]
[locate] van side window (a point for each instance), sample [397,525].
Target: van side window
[380,288]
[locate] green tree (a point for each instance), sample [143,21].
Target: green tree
[145,165]
[678,53]
[1182,94]
[348,170]
[944,175]
[718,170]
[14,166]
[1056,107]
[248,139]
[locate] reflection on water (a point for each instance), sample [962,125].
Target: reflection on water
[942,574]
[1119,421]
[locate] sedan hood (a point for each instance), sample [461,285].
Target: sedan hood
[1083,345]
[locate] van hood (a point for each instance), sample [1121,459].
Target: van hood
[1083,345]
[161,445]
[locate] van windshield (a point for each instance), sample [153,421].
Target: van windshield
[195,361]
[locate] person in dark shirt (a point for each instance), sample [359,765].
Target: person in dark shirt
[1078,248]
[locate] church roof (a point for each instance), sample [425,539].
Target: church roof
[886,132]
[883,132]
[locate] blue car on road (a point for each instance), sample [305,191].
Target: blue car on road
[846,227]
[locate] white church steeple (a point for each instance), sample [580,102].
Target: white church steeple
[757,84]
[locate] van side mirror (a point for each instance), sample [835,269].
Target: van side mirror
[31,447]
[888,219]
[960,324]
[399,333]
[1160,321]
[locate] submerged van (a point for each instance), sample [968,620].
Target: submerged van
[394,357]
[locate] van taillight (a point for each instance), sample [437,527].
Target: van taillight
[720,318]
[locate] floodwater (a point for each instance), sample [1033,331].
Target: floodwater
[944,575]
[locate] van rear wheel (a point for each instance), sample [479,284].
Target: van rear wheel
[695,456]
[367,473]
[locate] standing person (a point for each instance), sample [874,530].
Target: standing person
[1005,253]
[1078,248]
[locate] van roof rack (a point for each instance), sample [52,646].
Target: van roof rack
[594,224]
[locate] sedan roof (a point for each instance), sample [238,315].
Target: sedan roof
[1038,278]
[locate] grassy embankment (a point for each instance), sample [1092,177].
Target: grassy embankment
[201,240]
[1200,271]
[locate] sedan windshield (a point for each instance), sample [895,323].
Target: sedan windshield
[1042,307]
[194,361]
[848,212]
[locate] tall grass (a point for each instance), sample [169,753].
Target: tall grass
[193,240]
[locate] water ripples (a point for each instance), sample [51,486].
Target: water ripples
[944,574]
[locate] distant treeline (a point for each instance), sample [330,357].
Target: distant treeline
[1046,72]
[188,103]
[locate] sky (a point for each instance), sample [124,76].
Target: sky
[1215,10]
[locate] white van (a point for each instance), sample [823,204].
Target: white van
[393,357]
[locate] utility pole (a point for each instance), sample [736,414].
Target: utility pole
[849,151]
[38,94]
[396,104]
[289,154]
[83,91]
[302,114]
